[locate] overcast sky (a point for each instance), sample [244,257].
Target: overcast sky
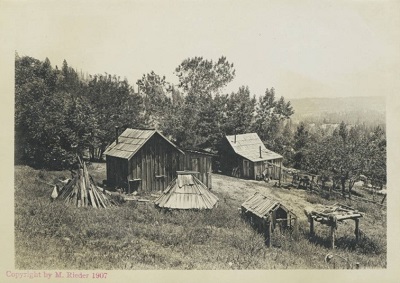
[301,48]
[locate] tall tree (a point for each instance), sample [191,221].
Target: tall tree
[68,80]
[154,90]
[269,117]
[376,156]
[49,123]
[284,142]
[301,139]
[115,104]
[240,111]
[348,155]
[201,76]
[201,82]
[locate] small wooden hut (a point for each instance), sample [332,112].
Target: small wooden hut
[265,213]
[245,156]
[142,159]
[186,192]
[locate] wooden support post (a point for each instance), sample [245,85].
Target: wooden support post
[357,230]
[269,234]
[311,226]
[280,173]
[383,200]
[333,229]
[295,228]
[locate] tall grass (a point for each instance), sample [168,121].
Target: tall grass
[51,235]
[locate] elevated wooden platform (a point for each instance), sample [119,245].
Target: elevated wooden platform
[330,216]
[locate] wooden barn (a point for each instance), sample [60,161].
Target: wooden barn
[201,162]
[245,156]
[142,160]
[265,214]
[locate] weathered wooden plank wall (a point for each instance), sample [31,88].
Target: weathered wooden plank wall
[258,168]
[201,163]
[155,164]
[273,171]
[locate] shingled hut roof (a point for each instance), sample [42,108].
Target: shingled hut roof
[248,146]
[131,141]
[186,192]
[262,205]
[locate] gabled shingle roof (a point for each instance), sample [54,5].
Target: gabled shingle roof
[130,141]
[260,205]
[248,146]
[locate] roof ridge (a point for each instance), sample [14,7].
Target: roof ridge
[141,142]
[249,147]
[242,134]
[142,129]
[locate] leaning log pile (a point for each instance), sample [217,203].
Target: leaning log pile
[83,192]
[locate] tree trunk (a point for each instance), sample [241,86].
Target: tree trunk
[91,147]
[351,185]
[99,153]
[91,152]
[332,188]
[343,181]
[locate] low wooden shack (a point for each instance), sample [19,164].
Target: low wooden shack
[142,159]
[186,192]
[265,213]
[245,156]
[331,216]
[201,162]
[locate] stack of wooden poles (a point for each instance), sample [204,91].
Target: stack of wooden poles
[83,192]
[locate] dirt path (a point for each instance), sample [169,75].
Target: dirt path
[240,190]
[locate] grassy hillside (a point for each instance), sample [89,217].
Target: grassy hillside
[50,235]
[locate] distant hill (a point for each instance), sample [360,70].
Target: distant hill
[368,110]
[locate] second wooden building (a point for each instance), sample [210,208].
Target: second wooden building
[245,156]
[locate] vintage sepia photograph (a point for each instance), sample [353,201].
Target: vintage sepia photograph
[201,136]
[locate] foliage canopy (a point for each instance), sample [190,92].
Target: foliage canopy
[60,113]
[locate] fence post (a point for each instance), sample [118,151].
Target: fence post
[269,233]
[333,236]
[311,226]
[280,173]
[357,229]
